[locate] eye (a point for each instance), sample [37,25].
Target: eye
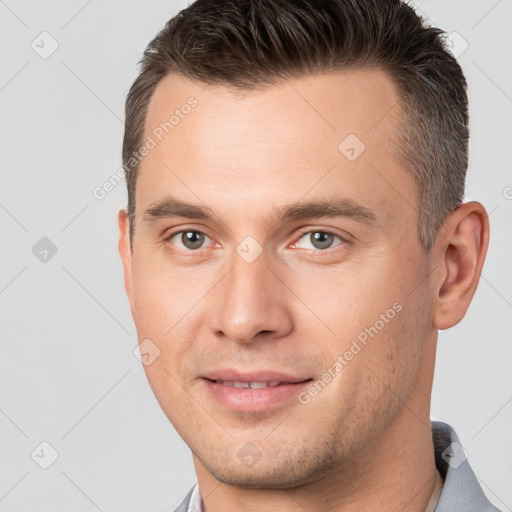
[188,239]
[319,240]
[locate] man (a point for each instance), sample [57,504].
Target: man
[295,239]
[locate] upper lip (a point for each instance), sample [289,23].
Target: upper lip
[253,376]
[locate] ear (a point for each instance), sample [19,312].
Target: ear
[125,251]
[459,252]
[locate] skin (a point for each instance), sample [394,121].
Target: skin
[356,445]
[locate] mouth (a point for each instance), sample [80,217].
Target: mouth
[249,385]
[255,395]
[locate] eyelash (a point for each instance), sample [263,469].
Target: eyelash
[343,240]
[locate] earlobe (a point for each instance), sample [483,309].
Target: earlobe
[125,252]
[460,253]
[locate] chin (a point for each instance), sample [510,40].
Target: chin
[280,474]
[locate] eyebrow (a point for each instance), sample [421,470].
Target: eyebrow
[333,206]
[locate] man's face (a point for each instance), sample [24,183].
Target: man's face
[254,290]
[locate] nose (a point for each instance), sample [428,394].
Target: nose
[251,302]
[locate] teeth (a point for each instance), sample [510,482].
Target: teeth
[258,385]
[251,385]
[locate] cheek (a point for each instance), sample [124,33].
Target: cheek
[160,308]
[168,389]
[396,351]
[162,296]
[350,301]
[380,327]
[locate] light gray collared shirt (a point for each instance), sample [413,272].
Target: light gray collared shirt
[461,490]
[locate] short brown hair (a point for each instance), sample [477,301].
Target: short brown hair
[250,44]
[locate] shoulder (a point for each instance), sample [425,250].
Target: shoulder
[461,489]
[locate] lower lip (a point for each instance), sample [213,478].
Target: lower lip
[253,400]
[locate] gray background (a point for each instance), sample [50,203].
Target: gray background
[68,375]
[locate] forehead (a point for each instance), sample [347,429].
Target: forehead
[275,144]
[337,103]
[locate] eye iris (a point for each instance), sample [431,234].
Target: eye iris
[321,240]
[192,239]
